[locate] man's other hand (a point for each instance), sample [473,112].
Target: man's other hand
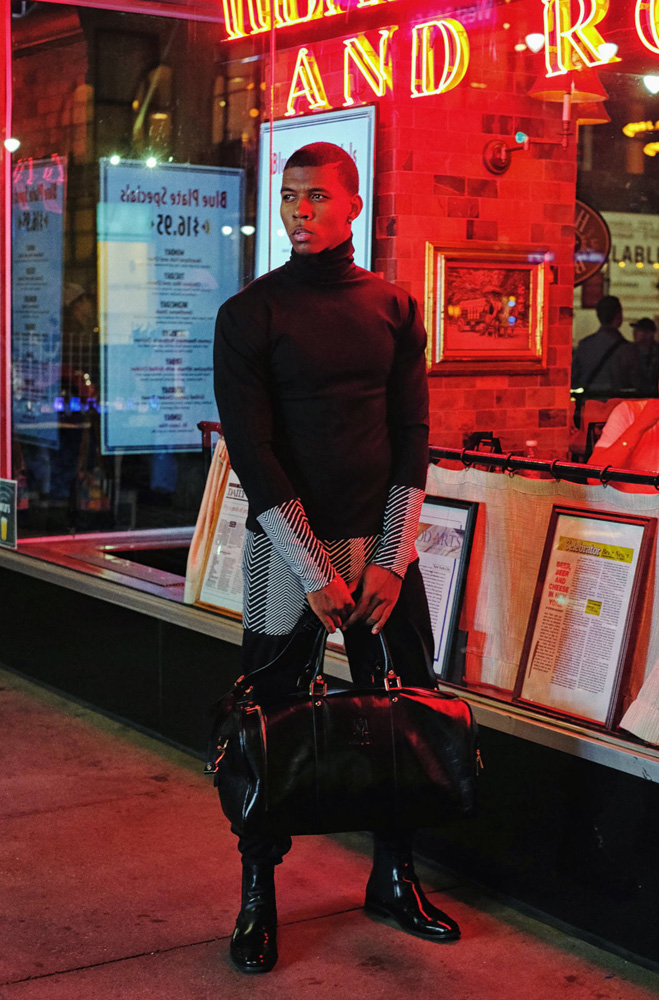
[332,604]
[377,593]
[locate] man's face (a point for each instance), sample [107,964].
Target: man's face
[316,209]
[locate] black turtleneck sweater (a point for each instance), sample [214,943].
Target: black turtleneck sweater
[321,386]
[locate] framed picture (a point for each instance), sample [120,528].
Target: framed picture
[579,640]
[486,309]
[445,534]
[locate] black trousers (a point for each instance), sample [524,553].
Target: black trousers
[409,636]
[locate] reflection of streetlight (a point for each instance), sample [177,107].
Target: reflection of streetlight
[607,50]
[152,162]
[247,230]
[227,230]
[115,160]
[11,145]
[535,40]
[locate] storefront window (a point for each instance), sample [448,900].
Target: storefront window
[618,176]
[133,218]
[145,192]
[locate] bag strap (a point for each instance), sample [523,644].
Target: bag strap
[313,670]
[610,351]
[242,684]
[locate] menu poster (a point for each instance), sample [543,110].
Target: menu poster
[170,250]
[354,130]
[8,507]
[38,206]
[222,581]
[443,543]
[577,644]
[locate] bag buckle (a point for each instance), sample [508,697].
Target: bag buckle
[318,687]
[212,766]
[391,680]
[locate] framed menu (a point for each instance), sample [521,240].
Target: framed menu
[446,529]
[579,641]
[222,580]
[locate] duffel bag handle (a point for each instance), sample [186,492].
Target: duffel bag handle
[314,669]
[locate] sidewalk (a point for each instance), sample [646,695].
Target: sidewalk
[120,880]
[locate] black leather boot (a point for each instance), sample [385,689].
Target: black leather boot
[393,891]
[254,942]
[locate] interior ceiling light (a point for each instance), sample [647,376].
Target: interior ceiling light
[607,50]
[651,148]
[520,47]
[535,40]
[632,129]
[12,144]
[652,83]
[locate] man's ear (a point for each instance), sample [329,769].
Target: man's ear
[356,205]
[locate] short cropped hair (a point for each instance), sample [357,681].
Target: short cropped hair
[608,308]
[323,154]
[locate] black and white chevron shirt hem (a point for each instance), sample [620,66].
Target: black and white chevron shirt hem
[400,529]
[274,598]
[289,529]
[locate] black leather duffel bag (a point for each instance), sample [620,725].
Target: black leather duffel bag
[359,759]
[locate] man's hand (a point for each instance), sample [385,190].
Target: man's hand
[332,604]
[377,593]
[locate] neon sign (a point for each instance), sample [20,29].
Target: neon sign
[308,83]
[425,79]
[251,17]
[440,48]
[646,15]
[571,44]
[440,59]
[375,68]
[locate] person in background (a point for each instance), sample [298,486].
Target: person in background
[605,361]
[322,391]
[630,440]
[647,349]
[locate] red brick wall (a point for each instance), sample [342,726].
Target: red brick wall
[52,104]
[431,184]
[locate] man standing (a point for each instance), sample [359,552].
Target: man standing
[322,392]
[605,361]
[645,333]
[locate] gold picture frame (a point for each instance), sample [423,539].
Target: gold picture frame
[486,308]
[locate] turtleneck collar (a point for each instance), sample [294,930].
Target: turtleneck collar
[325,267]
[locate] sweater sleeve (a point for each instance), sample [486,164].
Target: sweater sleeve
[407,406]
[244,399]
[618,421]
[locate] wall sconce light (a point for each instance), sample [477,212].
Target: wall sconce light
[581,87]
[497,153]
[591,114]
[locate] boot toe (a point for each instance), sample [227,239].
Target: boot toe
[423,920]
[253,952]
